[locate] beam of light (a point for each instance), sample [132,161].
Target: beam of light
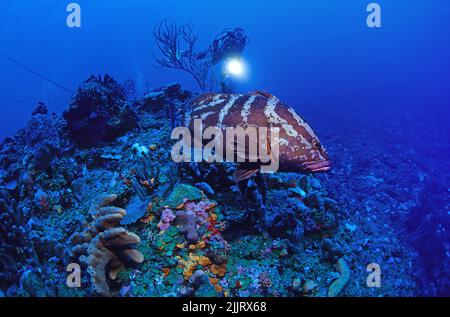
[235,67]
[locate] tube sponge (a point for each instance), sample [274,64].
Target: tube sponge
[338,285]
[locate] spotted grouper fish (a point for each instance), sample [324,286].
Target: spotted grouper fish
[299,147]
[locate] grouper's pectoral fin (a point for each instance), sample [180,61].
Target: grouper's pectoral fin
[246,170]
[242,151]
[242,173]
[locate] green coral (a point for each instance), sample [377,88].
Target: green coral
[338,285]
[180,192]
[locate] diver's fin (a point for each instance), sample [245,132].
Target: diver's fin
[241,174]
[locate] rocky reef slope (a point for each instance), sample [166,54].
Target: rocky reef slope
[174,230]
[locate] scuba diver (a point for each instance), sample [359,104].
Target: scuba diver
[178,51]
[228,43]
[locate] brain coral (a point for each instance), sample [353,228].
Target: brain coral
[104,247]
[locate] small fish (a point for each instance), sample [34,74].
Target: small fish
[300,149]
[201,55]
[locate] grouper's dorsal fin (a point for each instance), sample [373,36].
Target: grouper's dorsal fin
[263,93]
[241,173]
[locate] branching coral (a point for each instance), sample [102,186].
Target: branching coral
[177,46]
[264,281]
[104,247]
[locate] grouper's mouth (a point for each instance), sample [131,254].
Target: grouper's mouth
[317,166]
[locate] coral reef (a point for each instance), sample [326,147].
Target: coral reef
[166,218]
[15,246]
[200,234]
[187,222]
[104,246]
[40,128]
[98,112]
[195,281]
[136,209]
[180,193]
[161,98]
[168,102]
[43,155]
[213,175]
[146,171]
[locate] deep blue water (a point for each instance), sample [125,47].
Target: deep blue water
[392,83]
[313,54]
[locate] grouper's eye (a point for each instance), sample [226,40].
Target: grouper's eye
[316,144]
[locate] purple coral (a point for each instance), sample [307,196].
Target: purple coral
[186,220]
[166,218]
[193,214]
[200,210]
